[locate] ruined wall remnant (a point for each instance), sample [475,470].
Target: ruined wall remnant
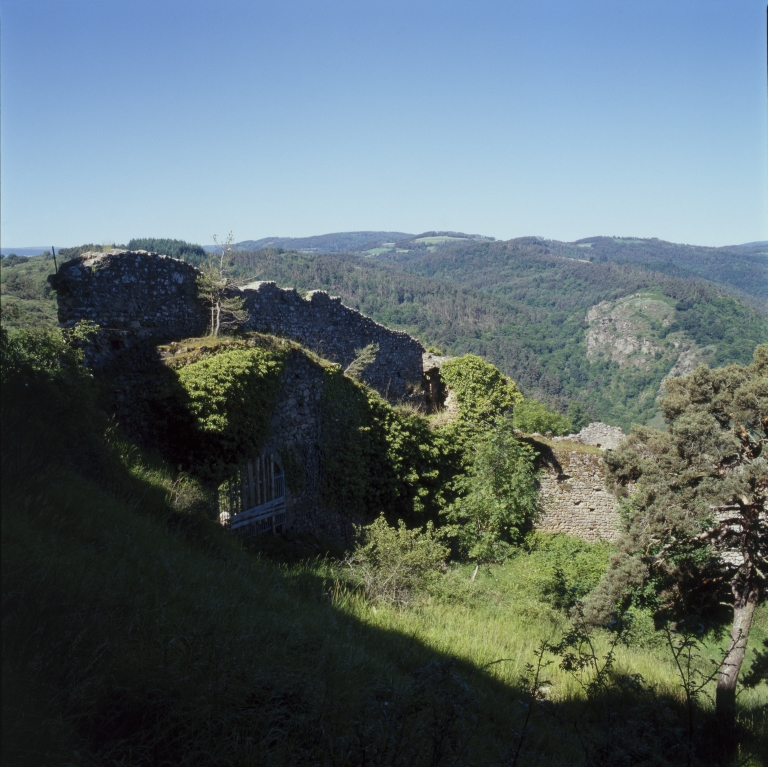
[295,434]
[574,499]
[597,434]
[136,296]
[336,332]
[131,291]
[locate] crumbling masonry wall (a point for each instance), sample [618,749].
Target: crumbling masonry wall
[137,296]
[131,291]
[296,430]
[336,332]
[574,499]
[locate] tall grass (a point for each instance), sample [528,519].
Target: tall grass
[138,632]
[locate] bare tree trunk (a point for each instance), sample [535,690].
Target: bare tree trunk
[746,596]
[218,318]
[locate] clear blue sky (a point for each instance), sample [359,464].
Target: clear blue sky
[564,119]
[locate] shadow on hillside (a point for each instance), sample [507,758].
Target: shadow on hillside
[137,634]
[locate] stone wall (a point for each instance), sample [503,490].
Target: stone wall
[574,499]
[131,291]
[598,434]
[335,332]
[137,296]
[296,428]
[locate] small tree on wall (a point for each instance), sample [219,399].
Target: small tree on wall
[218,291]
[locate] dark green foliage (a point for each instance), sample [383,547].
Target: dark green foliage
[12,259]
[566,568]
[135,631]
[482,391]
[40,354]
[497,494]
[231,396]
[711,459]
[533,416]
[578,415]
[741,267]
[65,254]
[194,254]
[128,620]
[375,457]
[724,322]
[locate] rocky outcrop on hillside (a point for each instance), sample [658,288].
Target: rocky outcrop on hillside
[627,331]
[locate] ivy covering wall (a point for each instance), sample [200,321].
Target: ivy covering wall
[230,397]
[376,457]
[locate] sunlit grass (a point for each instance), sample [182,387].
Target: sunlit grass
[136,631]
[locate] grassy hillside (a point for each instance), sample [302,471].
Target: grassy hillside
[25,295]
[136,631]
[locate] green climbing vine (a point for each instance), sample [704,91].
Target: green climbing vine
[230,397]
[376,457]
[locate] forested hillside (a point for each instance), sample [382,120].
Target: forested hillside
[743,267]
[543,319]
[338,242]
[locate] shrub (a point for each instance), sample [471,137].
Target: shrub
[231,397]
[498,494]
[566,568]
[38,353]
[375,457]
[482,391]
[534,416]
[394,564]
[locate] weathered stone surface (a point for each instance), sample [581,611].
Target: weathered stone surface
[296,427]
[136,296]
[597,434]
[574,499]
[334,331]
[131,291]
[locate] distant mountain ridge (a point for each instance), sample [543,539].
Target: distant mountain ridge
[336,242]
[740,269]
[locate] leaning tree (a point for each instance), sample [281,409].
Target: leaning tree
[693,508]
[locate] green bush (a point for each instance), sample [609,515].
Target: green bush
[231,396]
[375,457]
[498,494]
[393,564]
[578,415]
[534,416]
[482,391]
[41,353]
